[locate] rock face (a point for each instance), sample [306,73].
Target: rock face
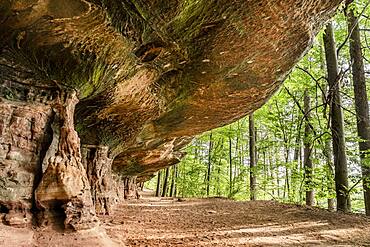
[132,81]
[23,137]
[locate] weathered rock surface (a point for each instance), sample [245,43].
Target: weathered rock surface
[148,75]
[23,136]
[64,182]
[99,172]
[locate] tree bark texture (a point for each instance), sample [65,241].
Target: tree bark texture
[361,102]
[252,159]
[158,190]
[308,165]
[336,114]
[173,182]
[209,167]
[230,167]
[165,182]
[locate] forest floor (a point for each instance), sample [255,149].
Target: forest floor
[152,221]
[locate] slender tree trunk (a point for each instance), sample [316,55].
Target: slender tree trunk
[165,182]
[327,151]
[308,165]
[296,160]
[362,105]
[271,172]
[296,149]
[277,167]
[329,174]
[173,182]
[340,158]
[252,158]
[158,191]
[265,173]
[210,144]
[230,167]
[286,183]
[255,147]
[175,192]
[218,190]
[236,151]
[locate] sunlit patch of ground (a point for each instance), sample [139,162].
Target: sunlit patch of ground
[218,222]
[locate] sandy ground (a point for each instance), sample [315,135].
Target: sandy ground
[205,222]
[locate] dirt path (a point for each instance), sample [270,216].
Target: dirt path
[217,222]
[208,222]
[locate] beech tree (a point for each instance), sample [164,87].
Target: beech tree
[252,158]
[336,114]
[158,190]
[361,102]
[308,165]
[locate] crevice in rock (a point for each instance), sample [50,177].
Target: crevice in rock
[46,142]
[148,52]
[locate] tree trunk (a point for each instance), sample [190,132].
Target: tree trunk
[296,160]
[210,144]
[327,151]
[252,158]
[165,182]
[265,173]
[158,190]
[297,148]
[277,166]
[230,167]
[339,151]
[64,183]
[329,174]
[271,168]
[175,192]
[362,105]
[286,183]
[173,182]
[308,165]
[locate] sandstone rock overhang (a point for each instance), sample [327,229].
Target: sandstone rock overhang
[149,75]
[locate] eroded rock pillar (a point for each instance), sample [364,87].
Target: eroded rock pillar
[131,190]
[64,184]
[99,171]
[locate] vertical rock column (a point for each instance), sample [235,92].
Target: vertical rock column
[131,188]
[99,171]
[64,184]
